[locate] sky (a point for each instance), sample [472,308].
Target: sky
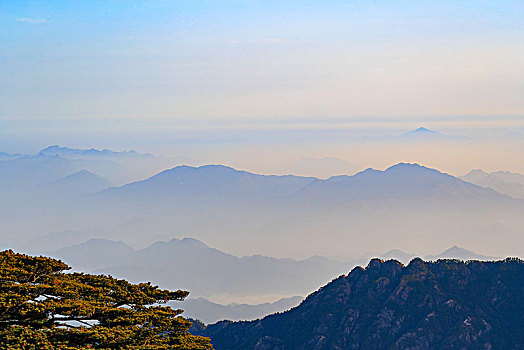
[238,60]
[304,87]
[202,78]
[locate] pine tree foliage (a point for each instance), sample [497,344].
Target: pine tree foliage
[43,307]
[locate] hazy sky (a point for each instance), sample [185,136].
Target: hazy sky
[196,61]
[260,85]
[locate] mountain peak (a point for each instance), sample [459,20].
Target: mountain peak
[184,242]
[405,165]
[477,172]
[410,167]
[80,182]
[192,242]
[456,252]
[423,129]
[422,132]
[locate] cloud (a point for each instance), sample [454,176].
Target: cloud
[32,20]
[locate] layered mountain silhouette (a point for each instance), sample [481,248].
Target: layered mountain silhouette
[422,131]
[511,184]
[213,180]
[190,264]
[30,171]
[295,216]
[323,167]
[402,180]
[459,253]
[208,312]
[425,134]
[55,162]
[92,152]
[446,304]
[81,182]
[397,254]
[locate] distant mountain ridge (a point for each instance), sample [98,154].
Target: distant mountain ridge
[403,180]
[207,271]
[460,253]
[209,312]
[77,183]
[422,131]
[215,179]
[211,272]
[286,215]
[215,201]
[29,171]
[511,184]
[423,134]
[65,151]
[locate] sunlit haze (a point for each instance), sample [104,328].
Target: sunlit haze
[254,150]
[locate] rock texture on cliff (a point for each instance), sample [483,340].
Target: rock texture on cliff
[447,304]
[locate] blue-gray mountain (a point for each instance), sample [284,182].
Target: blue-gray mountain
[232,209]
[505,182]
[192,265]
[245,213]
[208,272]
[209,312]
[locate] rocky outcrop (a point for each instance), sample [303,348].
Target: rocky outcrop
[447,304]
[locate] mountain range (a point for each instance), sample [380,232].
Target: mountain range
[208,312]
[446,304]
[511,184]
[92,152]
[207,272]
[425,134]
[245,213]
[55,162]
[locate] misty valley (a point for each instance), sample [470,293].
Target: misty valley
[261,175]
[247,245]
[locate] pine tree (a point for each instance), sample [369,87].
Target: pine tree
[43,307]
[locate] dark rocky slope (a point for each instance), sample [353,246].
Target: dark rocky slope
[447,304]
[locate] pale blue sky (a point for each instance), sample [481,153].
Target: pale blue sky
[194,61]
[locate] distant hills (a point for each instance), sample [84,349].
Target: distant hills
[209,312]
[446,304]
[511,184]
[92,152]
[460,253]
[54,162]
[81,182]
[403,180]
[31,171]
[212,180]
[425,134]
[246,213]
[422,132]
[67,190]
[323,167]
[190,264]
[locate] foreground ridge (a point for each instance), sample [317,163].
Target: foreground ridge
[447,304]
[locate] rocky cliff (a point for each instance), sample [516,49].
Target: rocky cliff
[447,304]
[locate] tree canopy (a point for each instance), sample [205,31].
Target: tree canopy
[43,307]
